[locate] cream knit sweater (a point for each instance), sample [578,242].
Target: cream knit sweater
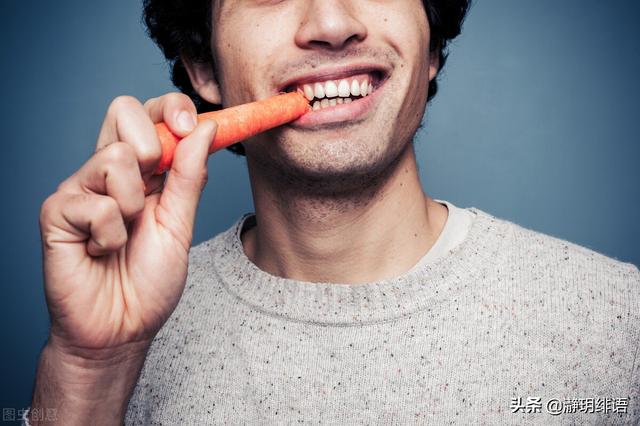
[509,327]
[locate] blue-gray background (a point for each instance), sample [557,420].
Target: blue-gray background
[537,122]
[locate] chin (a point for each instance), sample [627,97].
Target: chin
[339,167]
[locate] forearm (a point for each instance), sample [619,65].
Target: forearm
[85,391]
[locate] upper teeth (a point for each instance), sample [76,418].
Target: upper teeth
[341,88]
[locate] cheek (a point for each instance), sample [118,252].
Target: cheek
[416,44]
[405,25]
[242,48]
[408,33]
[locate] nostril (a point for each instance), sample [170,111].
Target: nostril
[353,39]
[321,44]
[336,45]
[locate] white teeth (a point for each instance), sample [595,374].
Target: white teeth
[343,89]
[317,105]
[355,88]
[330,89]
[308,92]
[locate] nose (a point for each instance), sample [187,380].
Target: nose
[330,25]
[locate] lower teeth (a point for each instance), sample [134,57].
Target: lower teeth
[325,103]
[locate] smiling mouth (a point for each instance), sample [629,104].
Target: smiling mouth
[327,93]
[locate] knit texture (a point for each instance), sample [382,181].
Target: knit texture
[508,313]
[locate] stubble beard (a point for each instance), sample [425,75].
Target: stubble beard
[335,179]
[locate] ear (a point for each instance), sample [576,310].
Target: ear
[203,80]
[434,63]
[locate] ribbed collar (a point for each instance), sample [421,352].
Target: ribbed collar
[352,304]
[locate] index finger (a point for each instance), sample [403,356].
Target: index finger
[176,110]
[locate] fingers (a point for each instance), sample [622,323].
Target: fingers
[73,218]
[93,206]
[129,121]
[112,171]
[185,182]
[108,191]
[176,110]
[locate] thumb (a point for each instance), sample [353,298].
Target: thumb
[186,180]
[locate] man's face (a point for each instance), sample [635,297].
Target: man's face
[263,47]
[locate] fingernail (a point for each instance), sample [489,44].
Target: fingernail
[186,121]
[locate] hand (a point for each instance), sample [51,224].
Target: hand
[116,239]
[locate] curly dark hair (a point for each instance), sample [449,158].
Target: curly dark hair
[183,27]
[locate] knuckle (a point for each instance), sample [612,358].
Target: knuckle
[48,207]
[105,207]
[150,102]
[150,152]
[111,242]
[177,98]
[119,153]
[121,103]
[64,186]
[177,101]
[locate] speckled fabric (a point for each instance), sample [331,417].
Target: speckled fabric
[508,316]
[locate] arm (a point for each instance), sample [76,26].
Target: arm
[84,391]
[116,243]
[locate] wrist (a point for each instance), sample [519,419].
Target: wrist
[86,387]
[95,360]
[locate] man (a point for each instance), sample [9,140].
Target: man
[350,296]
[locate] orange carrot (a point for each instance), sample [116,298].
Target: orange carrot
[238,123]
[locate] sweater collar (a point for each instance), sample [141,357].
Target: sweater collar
[349,304]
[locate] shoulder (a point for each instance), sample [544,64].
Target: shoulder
[582,305]
[530,250]
[569,260]
[575,283]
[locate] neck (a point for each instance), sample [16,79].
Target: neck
[360,236]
